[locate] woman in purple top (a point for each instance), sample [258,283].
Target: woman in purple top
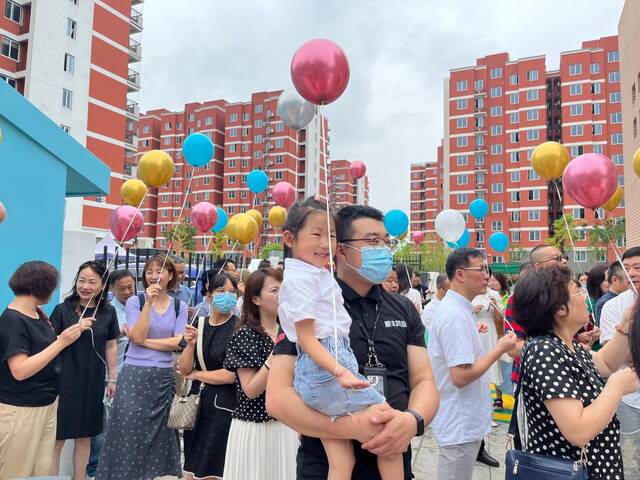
[138,444]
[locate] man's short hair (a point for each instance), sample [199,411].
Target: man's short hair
[631,252]
[615,270]
[349,214]
[441,279]
[117,275]
[459,258]
[177,260]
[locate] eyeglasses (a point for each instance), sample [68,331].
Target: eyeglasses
[556,258]
[374,241]
[483,269]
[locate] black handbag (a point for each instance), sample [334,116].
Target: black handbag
[521,465]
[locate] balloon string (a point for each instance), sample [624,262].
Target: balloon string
[615,251]
[200,270]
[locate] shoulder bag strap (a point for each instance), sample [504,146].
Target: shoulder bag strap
[201,322]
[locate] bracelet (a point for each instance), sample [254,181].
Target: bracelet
[621,331]
[111,381]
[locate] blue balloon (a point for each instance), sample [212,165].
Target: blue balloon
[396,222]
[222,221]
[499,241]
[478,208]
[463,241]
[452,245]
[257,181]
[197,149]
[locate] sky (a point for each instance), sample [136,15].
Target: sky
[399,53]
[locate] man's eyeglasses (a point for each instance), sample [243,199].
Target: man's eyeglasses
[556,258]
[374,241]
[483,269]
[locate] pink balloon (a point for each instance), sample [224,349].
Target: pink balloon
[590,179]
[125,223]
[417,237]
[284,194]
[3,213]
[320,71]
[204,216]
[357,169]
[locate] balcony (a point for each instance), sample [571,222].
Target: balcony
[135,21]
[131,141]
[133,81]
[133,110]
[135,51]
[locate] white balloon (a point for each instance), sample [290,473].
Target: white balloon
[450,225]
[294,110]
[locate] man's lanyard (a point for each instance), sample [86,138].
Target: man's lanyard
[372,357]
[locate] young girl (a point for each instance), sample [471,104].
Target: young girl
[326,373]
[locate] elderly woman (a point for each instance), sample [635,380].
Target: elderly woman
[569,405]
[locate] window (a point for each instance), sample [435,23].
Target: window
[497,207]
[534,236]
[233,132]
[621,180]
[576,131]
[69,63]
[479,139]
[462,160]
[533,135]
[496,226]
[534,215]
[532,175]
[515,197]
[532,75]
[167,140]
[495,92]
[479,159]
[72,28]
[233,117]
[575,89]
[279,159]
[10,48]
[495,72]
[618,159]
[515,137]
[67,98]
[532,95]
[496,188]
[167,126]
[245,147]
[496,149]
[13,11]
[478,84]
[594,68]
[280,127]
[245,117]
[165,213]
[575,69]
[208,121]
[513,79]
[615,97]
[462,198]
[480,178]
[616,117]
[496,168]
[496,130]
[461,123]
[515,237]
[579,256]
[596,108]
[515,157]
[514,117]
[258,123]
[232,149]
[614,77]
[257,154]
[533,115]
[496,111]
[258,108]
[462,141]
[279,142]
[616,139]
[192,117]
[515,216]
[515,176]
[461,86]
[179,126]
[145,129]
[577,150]
[463,179]
[479,103]
[613,56]
[534,195]
[65,129]
[575,110]
[514,98]
[245,131]
[243,194]
[596,88]
[461,104]
[232,179]
[597,129]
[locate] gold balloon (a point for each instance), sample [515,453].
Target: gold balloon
[614,201]
[256,215]
[549,159]
[228,230]
[636,162]
[244,229]
[133,191]
[277,216]
[155,168]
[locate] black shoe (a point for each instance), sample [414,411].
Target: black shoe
[484,457]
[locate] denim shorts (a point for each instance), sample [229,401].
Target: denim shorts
[320,390]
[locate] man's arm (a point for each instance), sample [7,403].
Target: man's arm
[284,404]
[463,375]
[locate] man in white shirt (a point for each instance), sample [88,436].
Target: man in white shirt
[629,409]
[459,367]
[442,286]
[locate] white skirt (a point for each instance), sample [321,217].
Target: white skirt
[265,451]
[489,341]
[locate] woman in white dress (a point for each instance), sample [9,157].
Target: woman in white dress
[488,310]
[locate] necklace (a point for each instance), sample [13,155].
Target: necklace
[271,334]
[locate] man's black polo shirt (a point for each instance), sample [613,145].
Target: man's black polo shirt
[399,325]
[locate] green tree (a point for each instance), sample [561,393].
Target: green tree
[267,248]
[562,237]
[180,236]
[433,254]
[216,247]
[601,236]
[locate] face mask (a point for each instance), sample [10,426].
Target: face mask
[224,302]
[377,263]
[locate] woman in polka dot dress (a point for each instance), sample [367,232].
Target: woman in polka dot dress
[258,445]
[568,403]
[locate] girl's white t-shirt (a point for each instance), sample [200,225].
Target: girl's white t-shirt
[306,293]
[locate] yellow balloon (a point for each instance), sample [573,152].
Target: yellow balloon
[256,215]
[155,168]
[245,228]
[614,201]
[549,159]
[277,216]
[133,191]
[228,230]
[404,235]
[636,162]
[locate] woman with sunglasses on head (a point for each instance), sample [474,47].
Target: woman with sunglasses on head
[202,361]
[85,363]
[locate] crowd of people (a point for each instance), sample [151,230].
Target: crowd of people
[303,374]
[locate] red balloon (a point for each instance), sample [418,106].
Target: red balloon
[204,215]
[125,223]
[417,237]
[284,194]
[590,179]
[320,71]
[357,169]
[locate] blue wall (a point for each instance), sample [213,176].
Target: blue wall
[33,183]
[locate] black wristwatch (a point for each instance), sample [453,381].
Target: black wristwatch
[419,420]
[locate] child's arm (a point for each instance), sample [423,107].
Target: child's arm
[309,343]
